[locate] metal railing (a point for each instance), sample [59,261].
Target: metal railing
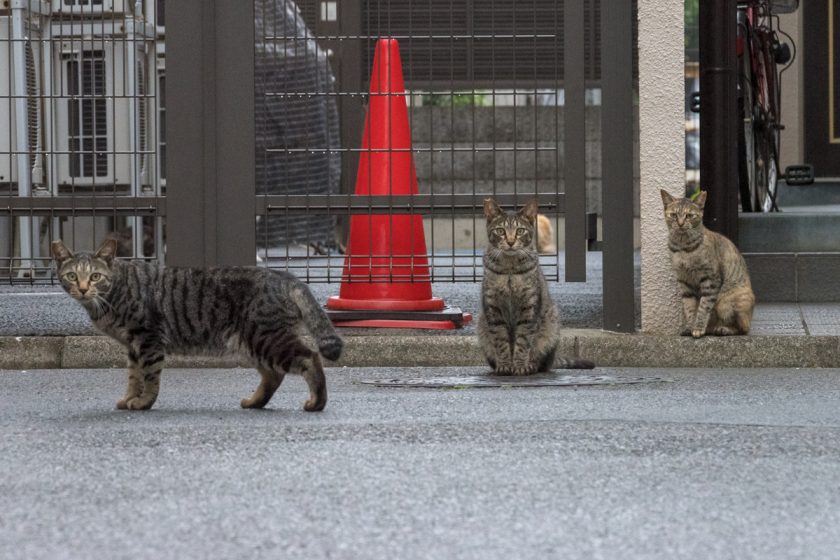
[259,133]
[81,130]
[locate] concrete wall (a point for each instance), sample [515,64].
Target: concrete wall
[662,156]
[793,115]
[470,149]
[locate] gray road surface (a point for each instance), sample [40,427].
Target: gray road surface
[717,464]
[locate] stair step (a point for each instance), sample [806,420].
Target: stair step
[795,277]
[789,232]
[820,193]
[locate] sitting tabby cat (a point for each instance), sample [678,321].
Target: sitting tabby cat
[716,292]
[518,328]
[152,311]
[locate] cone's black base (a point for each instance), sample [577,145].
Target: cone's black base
[447,318]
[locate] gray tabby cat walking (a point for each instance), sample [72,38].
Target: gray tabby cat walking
[519,325]
[153,311]
[716,293]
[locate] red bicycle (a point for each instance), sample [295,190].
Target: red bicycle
[761,53]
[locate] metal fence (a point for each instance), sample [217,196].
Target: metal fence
[82,134]
[260,131]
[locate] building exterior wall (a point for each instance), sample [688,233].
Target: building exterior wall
[662,153]
[793,114]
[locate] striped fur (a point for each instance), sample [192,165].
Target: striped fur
[712,275]
[519,324]
[155,311]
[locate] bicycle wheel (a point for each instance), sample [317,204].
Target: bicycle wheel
[767,170]
[765,125]
[746,142]
[758,174]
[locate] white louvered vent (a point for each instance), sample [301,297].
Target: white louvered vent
[33,112]
[142,119]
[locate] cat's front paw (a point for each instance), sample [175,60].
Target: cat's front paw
[502,370]
[697,333]
[524,370]
[138,403]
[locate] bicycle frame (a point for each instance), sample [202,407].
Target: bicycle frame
[760,96]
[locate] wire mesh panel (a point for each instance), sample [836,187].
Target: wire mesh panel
[292,80]
[82,130]
[484,85]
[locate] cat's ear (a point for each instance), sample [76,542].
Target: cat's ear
[666,198]
[60,251]
[701,199]
[107,251]
[491,210]
[530,210]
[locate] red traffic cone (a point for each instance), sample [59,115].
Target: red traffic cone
[386,267]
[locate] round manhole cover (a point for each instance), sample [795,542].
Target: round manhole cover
[545,380]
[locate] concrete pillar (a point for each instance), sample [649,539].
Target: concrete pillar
[793,114]
[661,154]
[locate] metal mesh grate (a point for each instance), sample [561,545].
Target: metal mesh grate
[292,110]
[485,89]
[78,149]
[498,105]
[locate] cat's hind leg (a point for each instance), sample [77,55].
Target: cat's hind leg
[271,380]
[733,313]
[313,373]
[308,364]
[286,352]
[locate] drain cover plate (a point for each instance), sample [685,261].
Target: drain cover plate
[544,380]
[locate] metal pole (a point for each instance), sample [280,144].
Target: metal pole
[24,177]
[574,140]
[617,155]
[719,115]
[211,143]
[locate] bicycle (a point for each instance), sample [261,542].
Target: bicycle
[760,53]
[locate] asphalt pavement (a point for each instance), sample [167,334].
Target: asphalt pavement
[715,463]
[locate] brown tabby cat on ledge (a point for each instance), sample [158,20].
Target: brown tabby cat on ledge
[152,311]
[716,293]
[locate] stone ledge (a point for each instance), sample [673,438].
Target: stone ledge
[29,352]
[604,348]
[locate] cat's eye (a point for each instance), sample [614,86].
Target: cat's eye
[499,231]
[521,231]
[670,214]
[95,277]
[72,276]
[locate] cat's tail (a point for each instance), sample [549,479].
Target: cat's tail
[574,363]
[319,325]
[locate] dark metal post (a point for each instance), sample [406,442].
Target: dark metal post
[211,133]
[617,156]
[350,108]
[719,115]
[574,140]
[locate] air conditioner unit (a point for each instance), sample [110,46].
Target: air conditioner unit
[159,132]
[92,7]
[11,147]
[155,13]
[92,113]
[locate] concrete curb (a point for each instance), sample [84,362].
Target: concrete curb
[605,349]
